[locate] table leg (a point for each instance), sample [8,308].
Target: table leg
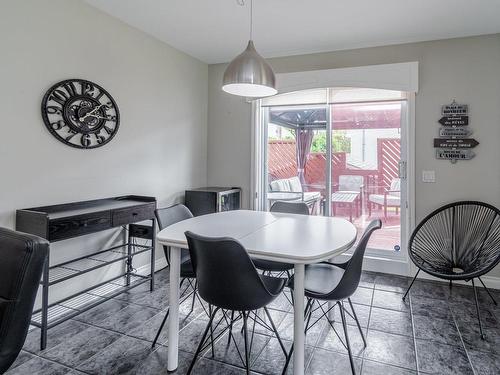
[173,318]
[298,326]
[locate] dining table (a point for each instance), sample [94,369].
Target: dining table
[290,238]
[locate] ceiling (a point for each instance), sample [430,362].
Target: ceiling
[216,30]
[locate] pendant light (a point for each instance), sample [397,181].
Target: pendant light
[249,74]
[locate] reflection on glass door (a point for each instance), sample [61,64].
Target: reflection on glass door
[366,155]
[339,151]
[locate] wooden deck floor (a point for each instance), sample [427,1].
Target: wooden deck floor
[385,238]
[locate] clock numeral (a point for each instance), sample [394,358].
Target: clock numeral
[70,88]
[72,133]
[99,96]
[58,125]
[88,89]
[100,138]
[108,130]
[85,140]
[59,96]
[53,110]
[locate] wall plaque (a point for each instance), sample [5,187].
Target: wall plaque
[455,143]
[454,120]
[454,155]
[454,132]
[454,109]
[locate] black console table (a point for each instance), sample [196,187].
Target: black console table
[64,221]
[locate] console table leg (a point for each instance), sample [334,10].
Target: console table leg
[153,257]
[45,305]
[129,255]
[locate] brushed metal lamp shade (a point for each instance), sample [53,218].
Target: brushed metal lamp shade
[249,75]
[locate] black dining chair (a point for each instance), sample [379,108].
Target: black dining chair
[326,281]
[269,266]
[168,216]
[22,259]
[229,282]
[459,241]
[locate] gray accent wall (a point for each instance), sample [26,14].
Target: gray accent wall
[160,148]
[465,69]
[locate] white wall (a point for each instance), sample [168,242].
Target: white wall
[160,148]
[465,69]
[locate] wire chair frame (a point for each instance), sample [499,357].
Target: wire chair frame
[461,236]
[459,241]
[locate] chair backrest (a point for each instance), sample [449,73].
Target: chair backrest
[295,185]
[395,187]
[171,215]
[352,272]
[290,208]
[226,276]
[280,185]
[351,183]
[462,235]
[22,257]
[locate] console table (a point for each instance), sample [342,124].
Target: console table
[70,220]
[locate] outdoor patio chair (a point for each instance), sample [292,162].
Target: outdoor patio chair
[390,198]
[293,185]
[460,241]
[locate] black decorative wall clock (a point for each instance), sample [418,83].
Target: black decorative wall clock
[80,113]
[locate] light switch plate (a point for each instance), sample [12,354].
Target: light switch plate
[428,176]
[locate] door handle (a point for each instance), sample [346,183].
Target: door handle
[402,169]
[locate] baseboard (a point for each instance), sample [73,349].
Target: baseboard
[145,269]
[390,266]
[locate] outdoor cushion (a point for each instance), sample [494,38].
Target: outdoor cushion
[392,200]
[280,185]
[311,196]
[295,185]
[350,183]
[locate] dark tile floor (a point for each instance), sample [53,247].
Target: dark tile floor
[434,332]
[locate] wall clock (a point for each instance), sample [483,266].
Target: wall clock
[80,113]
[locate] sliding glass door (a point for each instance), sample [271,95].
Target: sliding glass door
[341,151]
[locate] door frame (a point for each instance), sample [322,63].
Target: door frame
[400,77]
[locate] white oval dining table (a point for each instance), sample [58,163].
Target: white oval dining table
[297,239]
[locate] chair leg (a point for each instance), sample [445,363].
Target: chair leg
[245,337]
[357,322]
[477,310]
[194,296]
[275,331]
[487,291]
[344,324]
[160,329]
[200,345]
[211,332]
[408,290]
[230,328]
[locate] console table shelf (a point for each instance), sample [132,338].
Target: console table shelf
[80,266]
[82,301]
[64,221]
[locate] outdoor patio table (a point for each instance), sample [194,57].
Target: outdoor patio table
[297,239]
[352,198]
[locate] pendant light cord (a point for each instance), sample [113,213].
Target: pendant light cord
[251,19]
[242,3]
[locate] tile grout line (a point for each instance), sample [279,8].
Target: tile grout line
[413,333]
[368,326]
[463,343]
